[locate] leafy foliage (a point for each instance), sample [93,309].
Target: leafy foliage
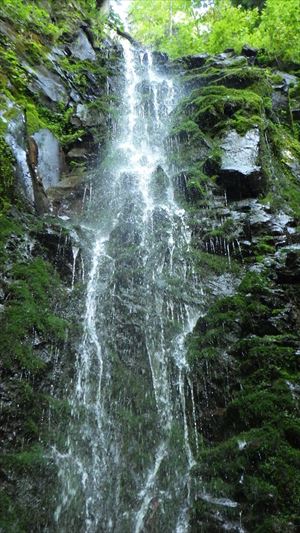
[178,28]
[7,174]
[168,25]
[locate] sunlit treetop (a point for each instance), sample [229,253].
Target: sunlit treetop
[181,27]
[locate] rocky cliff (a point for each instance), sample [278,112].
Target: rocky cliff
[58,68]
[235,153]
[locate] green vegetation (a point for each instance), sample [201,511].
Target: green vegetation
[243,352]
[28,296]
[52,20]
[216,104]
[7,176]
[249,415]
[177,27]
[29,33]
[31,327]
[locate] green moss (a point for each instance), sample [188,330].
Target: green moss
[254,283]
[251,451]
[39,116]
[212,263]
[265,462]
[254,408]
[283,153]
[186,129]
[225,229]
[212,106]
[26,460]
[13,74]
[28,312]
[34,51]
[7,176]
[9,514]
[8,227]
[33,120]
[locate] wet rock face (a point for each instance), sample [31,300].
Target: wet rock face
[48,158]
[196,61]
[81,47]
[235,165]
[36,278]
[66,89]
[249,51]
[240,171]
[48,83]
[240,153]
[89,116]
[16,139]
[289,270]
[159,183]
[48,149]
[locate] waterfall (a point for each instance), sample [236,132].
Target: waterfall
[127,453]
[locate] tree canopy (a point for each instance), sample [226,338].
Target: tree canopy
[181,27]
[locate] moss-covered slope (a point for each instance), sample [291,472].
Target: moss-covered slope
[235,151]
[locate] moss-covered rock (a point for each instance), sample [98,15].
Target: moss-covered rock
[47,79]
[34,327]
[243,352]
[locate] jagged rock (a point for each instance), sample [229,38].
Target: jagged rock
[240,153]
[292,163]
[7,30]
[296,113]
[280,105]
[48,158]
[195,61]
[240,170]
[227,60]
[82,48]
[69,183]
[49,83]
[288,79]
[289,271]
[77,153]
[249,51]
[68,195]
[160,58]
[58,244]
[104,5]
[74,96]
[89,117]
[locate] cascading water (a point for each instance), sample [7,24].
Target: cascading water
[127,456]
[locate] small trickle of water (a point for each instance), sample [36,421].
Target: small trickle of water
[75,250]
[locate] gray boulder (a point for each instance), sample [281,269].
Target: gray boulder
[89,117]
[195,61]
[240,169]
[49,158]
[49,83]
[82,48]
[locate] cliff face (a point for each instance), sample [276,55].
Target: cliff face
[57,84]
[236,165]
[236,169]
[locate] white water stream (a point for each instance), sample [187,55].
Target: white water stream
[127,455]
